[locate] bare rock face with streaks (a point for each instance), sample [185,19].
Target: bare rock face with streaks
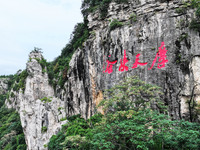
[3,85]
[40,111]
[145,26]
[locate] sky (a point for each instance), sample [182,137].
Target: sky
[25,24]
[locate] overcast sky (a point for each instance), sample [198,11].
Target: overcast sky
[25,24]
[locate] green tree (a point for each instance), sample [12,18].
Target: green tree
[132,93]
[132,120]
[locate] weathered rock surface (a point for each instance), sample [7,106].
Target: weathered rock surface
[40,120]
[3,85]
[157,21]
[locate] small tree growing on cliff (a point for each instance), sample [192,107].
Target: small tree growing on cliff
[36,50]
[132,93]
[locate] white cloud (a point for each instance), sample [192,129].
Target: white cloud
[26,24]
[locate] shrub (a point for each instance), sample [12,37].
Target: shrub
[181,10]
[60,108]
[89,6]
[63,119]
[195,25]
[56,140]
[36,50]
[46,99]
[21,147]
[12,94]
[115,24]
[22,81]
[76,132]
[44,129]
[133,17]
[132,93]
[43,63]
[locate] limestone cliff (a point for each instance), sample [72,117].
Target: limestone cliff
[154,22]
[144,26]
[40,111]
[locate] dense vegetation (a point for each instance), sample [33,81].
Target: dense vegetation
[19,81]
[195,23]
[57,70]
[89,6]
[134,119]
[11,133]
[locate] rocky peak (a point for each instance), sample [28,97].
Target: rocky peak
[37,83]
[40,111]
[33,66]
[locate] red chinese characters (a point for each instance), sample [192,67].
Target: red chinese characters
[122,67]
[137,62]
[109,66]
[161,54]
[162,57]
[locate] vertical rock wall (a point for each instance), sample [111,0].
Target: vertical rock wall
[156,22]
[40,111]
[3,85]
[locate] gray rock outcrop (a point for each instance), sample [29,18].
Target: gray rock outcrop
[3,85]
[145,26]
[40,111]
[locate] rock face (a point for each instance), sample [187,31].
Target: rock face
[146,24]
[3,85]
[40,112]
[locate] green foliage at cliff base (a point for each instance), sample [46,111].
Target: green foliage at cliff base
[128,130]
[11,133]
[128,123]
